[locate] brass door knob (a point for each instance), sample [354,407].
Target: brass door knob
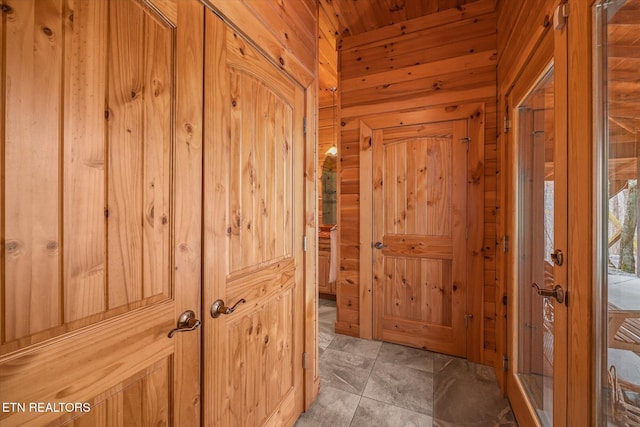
[218,307]
[186,322]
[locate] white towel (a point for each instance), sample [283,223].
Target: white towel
[333,257]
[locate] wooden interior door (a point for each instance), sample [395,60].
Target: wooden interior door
[420,226]
[101,211]
[253,254]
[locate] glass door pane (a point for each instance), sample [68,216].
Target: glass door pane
[535,245]
[618,116]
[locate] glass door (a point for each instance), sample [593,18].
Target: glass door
[617,88]
[535,327]
[536,383]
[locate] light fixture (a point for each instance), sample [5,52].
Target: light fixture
[333,150]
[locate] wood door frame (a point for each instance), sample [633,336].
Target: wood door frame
[550,51]
[229,14]
[475,114]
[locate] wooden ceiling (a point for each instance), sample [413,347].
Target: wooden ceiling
[340,19]
[623,79]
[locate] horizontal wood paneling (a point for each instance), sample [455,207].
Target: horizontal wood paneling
[386,71]
[356,20]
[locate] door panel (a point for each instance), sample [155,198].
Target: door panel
[253,234]
[95,169]
[420,202]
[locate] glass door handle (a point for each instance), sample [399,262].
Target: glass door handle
[556,292]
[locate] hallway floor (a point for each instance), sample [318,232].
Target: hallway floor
[370,383]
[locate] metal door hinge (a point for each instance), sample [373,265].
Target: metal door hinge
[466,140]
[467,316]
[505,363]
[304,243]
[505,244]
[304,360]
[507,124]
[560,16]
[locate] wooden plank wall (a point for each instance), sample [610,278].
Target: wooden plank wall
[443,58]
[520,31]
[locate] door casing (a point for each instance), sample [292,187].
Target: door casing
[474,112]
[552,49]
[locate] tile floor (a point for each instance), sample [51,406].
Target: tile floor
[370,383]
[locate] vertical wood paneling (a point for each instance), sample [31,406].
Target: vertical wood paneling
[435,291]
[439,171]
[261,357]
[32,167]
[420,154]
[84,154]
[260,229]
[98,71]
[158,48]
[245,251]
[288,181]
[390,214]
[278,178]
[235,144]
[77,89]
[126,153]
[267,161]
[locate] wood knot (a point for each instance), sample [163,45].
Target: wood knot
[52,245]
[234,103]
[281,59]
[5,8]
[547,22]
[188,128]
[47,31]
[266,339]
[13,247]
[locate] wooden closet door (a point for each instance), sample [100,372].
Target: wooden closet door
[101,211]
[419,230]
[254,146]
